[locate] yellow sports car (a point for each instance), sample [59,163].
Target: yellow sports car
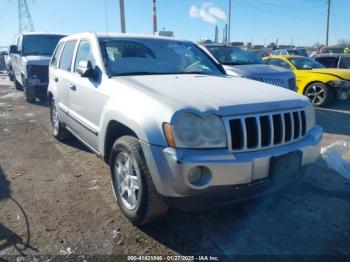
[322,85]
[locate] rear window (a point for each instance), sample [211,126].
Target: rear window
[67,56]
[345,63]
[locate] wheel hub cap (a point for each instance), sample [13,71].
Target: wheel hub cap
[127,180]
[316,94]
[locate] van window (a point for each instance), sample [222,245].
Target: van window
[56,55]
[67,56]
[84,53]
[329,62]
[40,44]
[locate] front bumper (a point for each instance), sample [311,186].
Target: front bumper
[169,167]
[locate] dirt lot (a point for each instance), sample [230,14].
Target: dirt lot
[56,199]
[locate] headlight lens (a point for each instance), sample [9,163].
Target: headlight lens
[193,131]
[310,116]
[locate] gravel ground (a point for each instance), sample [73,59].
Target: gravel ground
[56,199]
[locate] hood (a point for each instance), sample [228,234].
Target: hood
[341,73]
[37,60]
[222,94]
[258,70]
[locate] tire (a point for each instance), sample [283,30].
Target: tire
[319,94]
[29,92]
[57,129]
[18,86]
[148,204]
[11,77]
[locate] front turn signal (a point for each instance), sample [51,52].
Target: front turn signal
[169,134]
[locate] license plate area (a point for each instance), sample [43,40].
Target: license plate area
[285,167]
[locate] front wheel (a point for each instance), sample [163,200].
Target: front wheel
[319,94]
[29,92]
[132,183]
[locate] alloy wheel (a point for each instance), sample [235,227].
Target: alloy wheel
[127,180]
[316,94]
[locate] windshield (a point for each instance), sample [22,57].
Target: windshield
[300,52]
[303,63]
[40,44]
[154,56]
[234,56]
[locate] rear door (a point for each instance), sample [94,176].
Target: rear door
[62,78]
[86,101]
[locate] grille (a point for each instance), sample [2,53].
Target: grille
[41,72]
[267,130]
[273,81]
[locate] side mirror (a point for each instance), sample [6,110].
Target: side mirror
[13,49]
[85,69]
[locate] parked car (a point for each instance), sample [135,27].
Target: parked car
[30,56]
[280,51]
[331,50]
[174,129]
[322,85]
[334,60]
[238,62]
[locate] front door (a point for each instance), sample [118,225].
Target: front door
[85,99]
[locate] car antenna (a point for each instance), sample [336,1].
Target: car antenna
[270,56]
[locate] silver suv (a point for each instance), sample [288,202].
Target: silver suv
[238,62]
[173,127]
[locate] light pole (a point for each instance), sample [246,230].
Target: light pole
[229,21]
[328,11]
[122,15]
[155,29]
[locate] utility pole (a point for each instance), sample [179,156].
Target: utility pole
[155,29]
[328,13]
[25,22]
[122,16]
[229,21]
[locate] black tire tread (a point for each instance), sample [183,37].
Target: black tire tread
[156,206]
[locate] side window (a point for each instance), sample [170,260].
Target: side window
[280,63]
[329,62]
[84,53]
[67,56]
[56,55]
[19,44]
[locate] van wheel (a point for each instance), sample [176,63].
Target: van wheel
[58,130]
[29,92]
[319,94]
[18,86]
[132,183]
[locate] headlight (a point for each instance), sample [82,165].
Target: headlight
[340,83]
[310,116]
[193,131]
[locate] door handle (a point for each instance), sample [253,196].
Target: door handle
[55,79]
[72,87]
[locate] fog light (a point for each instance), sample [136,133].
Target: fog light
[194,175]
[199,177]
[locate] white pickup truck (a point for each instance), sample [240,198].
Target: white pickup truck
[30,54]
